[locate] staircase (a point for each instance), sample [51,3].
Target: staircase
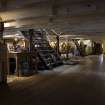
[47,56]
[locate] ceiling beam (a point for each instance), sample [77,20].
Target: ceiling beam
[3,5]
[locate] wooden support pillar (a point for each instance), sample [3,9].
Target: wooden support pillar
[57,40]
[57,46]
[17,64]
[3,55]
[3,63]
[33,60]
[30,49]
[67,50]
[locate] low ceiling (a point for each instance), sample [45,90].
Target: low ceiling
[75,17]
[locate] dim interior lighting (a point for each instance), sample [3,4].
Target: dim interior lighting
[101,59]
[87,42]
[10,24]
[16,39]
[52,44]
[23,39]
[6,24]
[17,34]
[102,46]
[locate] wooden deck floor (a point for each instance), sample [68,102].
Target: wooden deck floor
[65,85]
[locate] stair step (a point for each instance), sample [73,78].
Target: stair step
[45,50]
[47,55]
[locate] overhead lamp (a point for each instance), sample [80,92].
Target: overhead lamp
[16,39]
[7,25]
